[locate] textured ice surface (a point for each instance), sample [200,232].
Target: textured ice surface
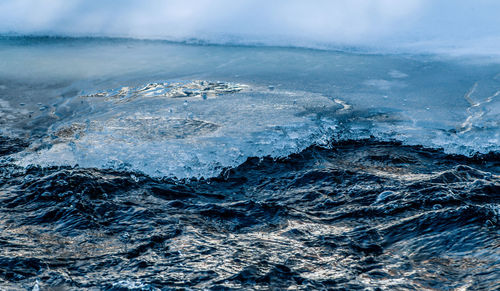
[204,89]
[184,110]
[189,135]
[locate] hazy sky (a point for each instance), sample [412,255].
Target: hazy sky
[466,24]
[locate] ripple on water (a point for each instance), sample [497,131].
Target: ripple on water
[340,217]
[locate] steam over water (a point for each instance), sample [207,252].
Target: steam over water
[362,152]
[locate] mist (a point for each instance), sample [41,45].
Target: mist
[451,26]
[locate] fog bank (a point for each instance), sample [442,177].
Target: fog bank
[453,26]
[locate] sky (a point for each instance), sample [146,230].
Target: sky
[467,25]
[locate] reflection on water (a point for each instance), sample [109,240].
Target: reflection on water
[354,215]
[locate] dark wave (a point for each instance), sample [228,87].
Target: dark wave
[358,214]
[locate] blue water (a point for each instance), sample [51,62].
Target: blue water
[140,164]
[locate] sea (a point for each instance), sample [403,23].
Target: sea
[133,164]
